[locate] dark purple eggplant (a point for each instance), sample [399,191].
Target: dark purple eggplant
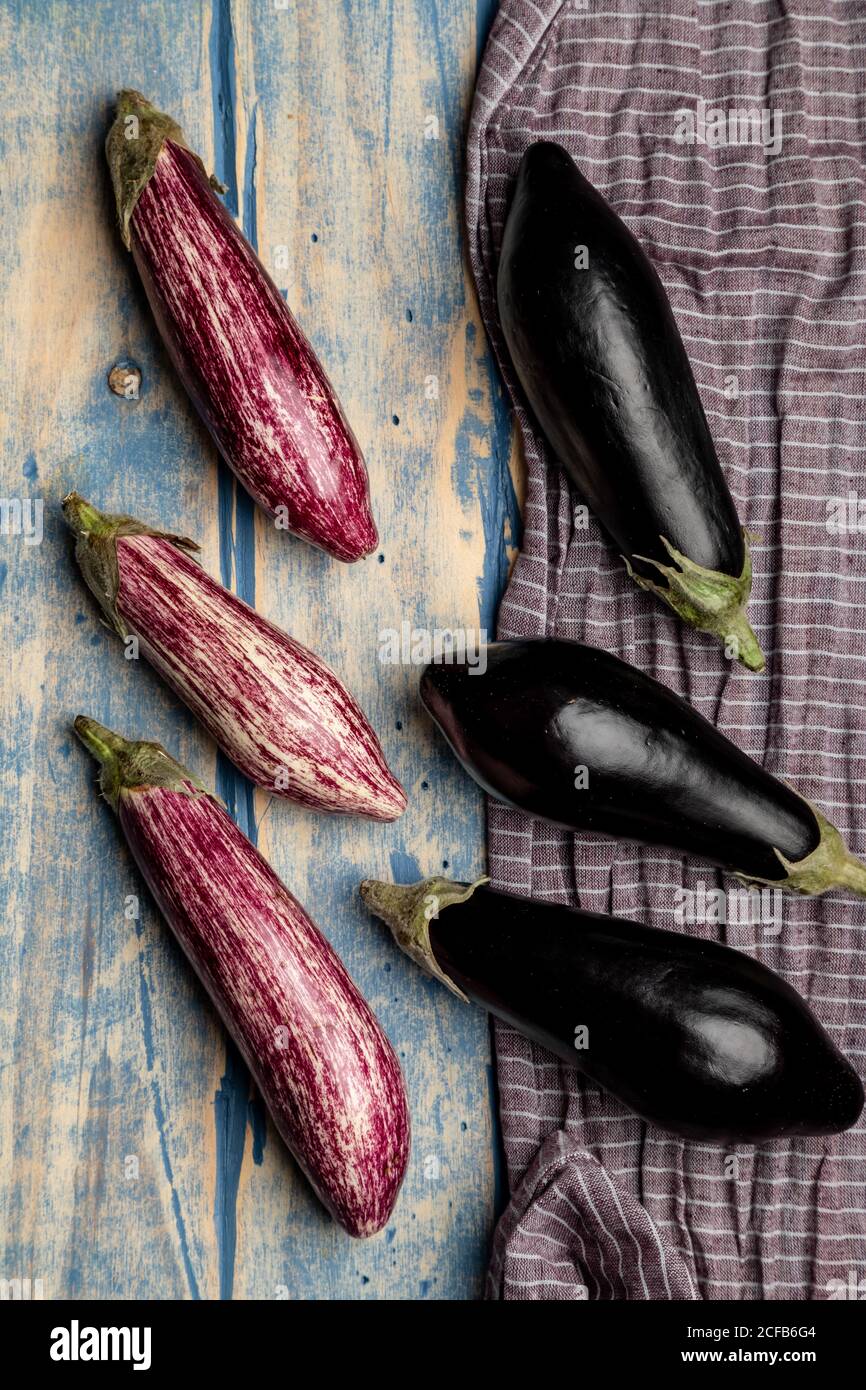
[548,716]
[692,1036]
[596,347]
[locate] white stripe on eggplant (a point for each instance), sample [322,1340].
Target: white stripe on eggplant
[320,1059]
[275,709]
[247,366]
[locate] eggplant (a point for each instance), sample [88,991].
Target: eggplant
[274,708]
[596,348]
[320,1059]
[575,736]
[250,372]
[692,1036]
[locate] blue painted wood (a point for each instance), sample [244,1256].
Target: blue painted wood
[137,1162]
[237,569]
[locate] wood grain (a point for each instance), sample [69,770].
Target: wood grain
[136,1161]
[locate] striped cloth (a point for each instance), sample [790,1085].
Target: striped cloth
[762,256]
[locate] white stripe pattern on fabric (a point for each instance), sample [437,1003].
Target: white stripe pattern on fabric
[786,319]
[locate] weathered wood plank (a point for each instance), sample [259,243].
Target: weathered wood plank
[107,1136]
[135,1161]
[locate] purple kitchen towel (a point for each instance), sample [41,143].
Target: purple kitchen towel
[761,250]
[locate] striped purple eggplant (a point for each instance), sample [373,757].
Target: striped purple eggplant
[322,1063]
[277,711]
[248,368]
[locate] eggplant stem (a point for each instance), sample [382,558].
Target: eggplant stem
[83,518]
[707,600]
[852,874]
[105,745]
[96,536]
[132,148]
[829,865]
[408,910]
[126,764]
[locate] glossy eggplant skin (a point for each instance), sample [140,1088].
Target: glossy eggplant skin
[693,1036]
[603,366]
[656,770]
[241,355]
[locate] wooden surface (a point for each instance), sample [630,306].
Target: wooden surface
[135,1160]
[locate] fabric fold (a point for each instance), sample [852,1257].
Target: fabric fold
[568,1233]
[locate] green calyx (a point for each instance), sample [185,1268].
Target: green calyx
[132,148]
[96,535]
[829,865]
[408,910]
[707,600]
[133,764]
